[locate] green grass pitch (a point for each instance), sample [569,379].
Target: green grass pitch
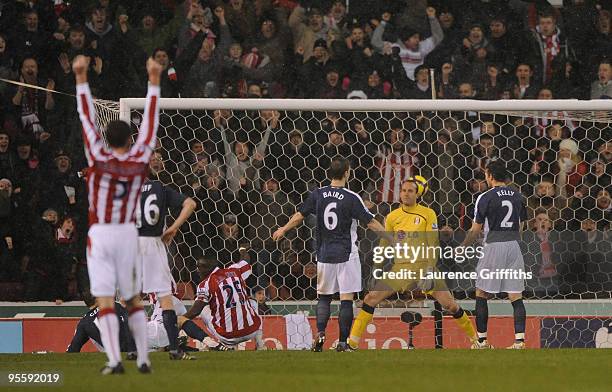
[290,371]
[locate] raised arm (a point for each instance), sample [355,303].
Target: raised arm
[147,134]
[86,109]
[434,24]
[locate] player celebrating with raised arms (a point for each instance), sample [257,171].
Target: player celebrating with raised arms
[114,179]
[501,210]
[155,202]
[338,266]
[416,226]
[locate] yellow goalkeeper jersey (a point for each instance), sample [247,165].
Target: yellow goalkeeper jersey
[415,226]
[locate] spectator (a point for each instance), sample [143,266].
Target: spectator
[506,50]
[447,86]
[64,190]
[305,34]
[523,87]
[571,167]
[271,41]
[493,86]
[8,159]
[9,270]
[412,50]
[296,165]
[466,91]
[266,210]
[600,174]
[150,35]
[199,65]
[356,55]
[541,229]
[33,104]
[42,262]
[311,74]
[241,19]
[259,294]
[7,63]
[602,88]
[240,166]
[169,78]
[548,49]
[421,88]
[199,20]
[31,40]
[397,161]
[601,46]
[332,87]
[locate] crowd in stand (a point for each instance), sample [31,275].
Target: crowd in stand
[249,170]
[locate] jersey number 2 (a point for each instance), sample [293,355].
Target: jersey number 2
[329,216]
[150,211]
[506,221]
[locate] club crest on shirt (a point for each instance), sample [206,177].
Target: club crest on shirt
[417,220]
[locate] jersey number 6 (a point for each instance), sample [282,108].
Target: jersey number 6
[150,210]
[329,216]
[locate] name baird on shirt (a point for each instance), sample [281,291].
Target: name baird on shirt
[334,194]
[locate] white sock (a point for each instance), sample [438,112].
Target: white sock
[138,325]
[109,333]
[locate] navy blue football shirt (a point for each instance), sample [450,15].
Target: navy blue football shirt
[501,209]
[155,202]
[337,210]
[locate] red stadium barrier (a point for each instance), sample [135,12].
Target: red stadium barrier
[54,334]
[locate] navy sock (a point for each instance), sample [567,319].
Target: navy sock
[169,317]
[520,318]
[482,318]
[193,331]
[345,319]
[323,312]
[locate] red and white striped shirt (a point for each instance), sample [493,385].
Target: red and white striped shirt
[233,315]
[395,168]
[114,180]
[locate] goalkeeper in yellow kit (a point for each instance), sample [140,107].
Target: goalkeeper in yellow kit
[416,226]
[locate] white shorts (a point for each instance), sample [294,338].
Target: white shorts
[112,251]
[153,259]
[207,319]
[340,278]
[157,337]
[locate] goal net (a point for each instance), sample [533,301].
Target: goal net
[250,163]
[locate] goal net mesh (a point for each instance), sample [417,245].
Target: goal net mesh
[249,170]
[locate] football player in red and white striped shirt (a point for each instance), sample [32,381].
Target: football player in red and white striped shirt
[232,319]
[114,179]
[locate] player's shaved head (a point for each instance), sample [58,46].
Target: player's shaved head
[118,134]
[339,166]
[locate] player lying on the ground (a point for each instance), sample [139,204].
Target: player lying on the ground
[87,329]
[501,210]
[155,202]
[417,226]
[233,317]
